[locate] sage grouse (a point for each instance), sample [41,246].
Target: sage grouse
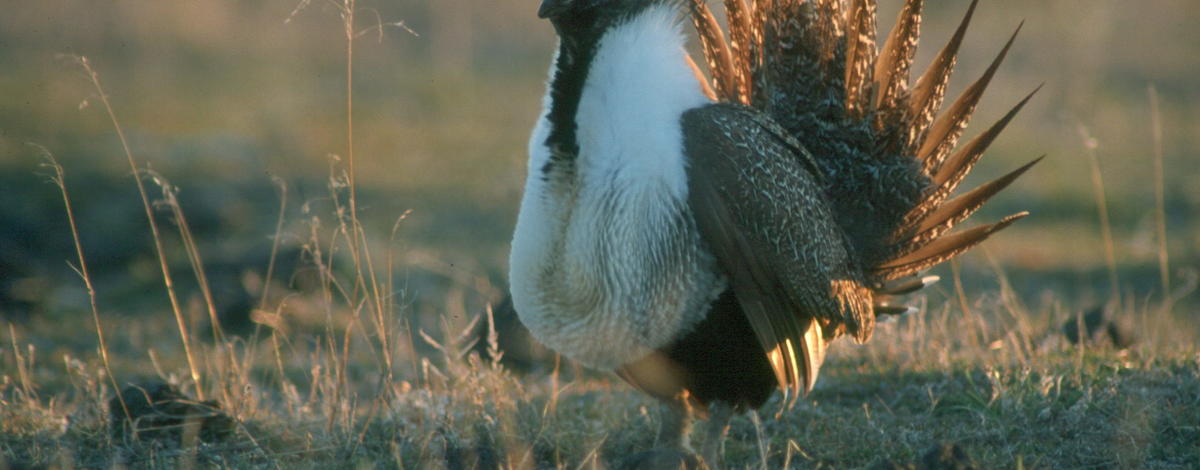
[708,241]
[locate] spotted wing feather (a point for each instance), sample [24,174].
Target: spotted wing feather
[762,212]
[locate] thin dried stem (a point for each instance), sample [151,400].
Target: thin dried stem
[1160,210]
[171,199]
[266,287]
[348,11]
[392,286]
[1110,257]
[366,281]
[192,249]
[283,193]
[60,181]
[158,244]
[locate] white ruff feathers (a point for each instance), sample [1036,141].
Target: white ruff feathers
[606,265]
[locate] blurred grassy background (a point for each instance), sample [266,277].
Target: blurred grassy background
[219,96]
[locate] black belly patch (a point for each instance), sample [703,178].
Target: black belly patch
[720,360]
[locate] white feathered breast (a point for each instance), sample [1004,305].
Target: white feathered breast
[606,262]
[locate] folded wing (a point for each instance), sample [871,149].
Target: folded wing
[762,212]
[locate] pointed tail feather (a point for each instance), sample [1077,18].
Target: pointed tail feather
[906,286]
[949,214]
[942,249]
[930,90]
[950,175]
[700,78]
[894,309]
[895,61]
[860,56]
[831,26]
[943,135]
[716,51]
[953,170]
[741,37]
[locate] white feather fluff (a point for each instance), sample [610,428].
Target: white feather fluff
[605,264]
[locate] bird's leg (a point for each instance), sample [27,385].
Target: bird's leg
[715,429]
[676,426]
[675,448]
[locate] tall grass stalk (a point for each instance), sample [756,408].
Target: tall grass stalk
[1090,145]
[1160,210]
[391,285]
[158,244]
[275,319]
[348,11]
[225,355]
[367,291]
[283,197]
[171,200]
[82,269]
[363,290]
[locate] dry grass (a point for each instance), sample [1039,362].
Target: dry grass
[1002,383]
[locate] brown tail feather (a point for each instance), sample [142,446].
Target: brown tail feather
[949,214]
[916,232]
[831,27]
[895,61]
[716,53]
[944,217]
[741,36]
[860,56]
[930,90]
[905,286]
[957,166]
[944,134]
[700,78]
[941,249]
[885,305]
[759,18]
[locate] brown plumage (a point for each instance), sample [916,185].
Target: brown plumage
[859,166]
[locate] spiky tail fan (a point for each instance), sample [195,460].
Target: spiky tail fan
[889,159]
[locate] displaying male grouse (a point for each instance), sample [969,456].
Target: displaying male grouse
[708,252]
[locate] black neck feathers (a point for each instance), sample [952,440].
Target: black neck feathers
[575,55]
[580,31]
